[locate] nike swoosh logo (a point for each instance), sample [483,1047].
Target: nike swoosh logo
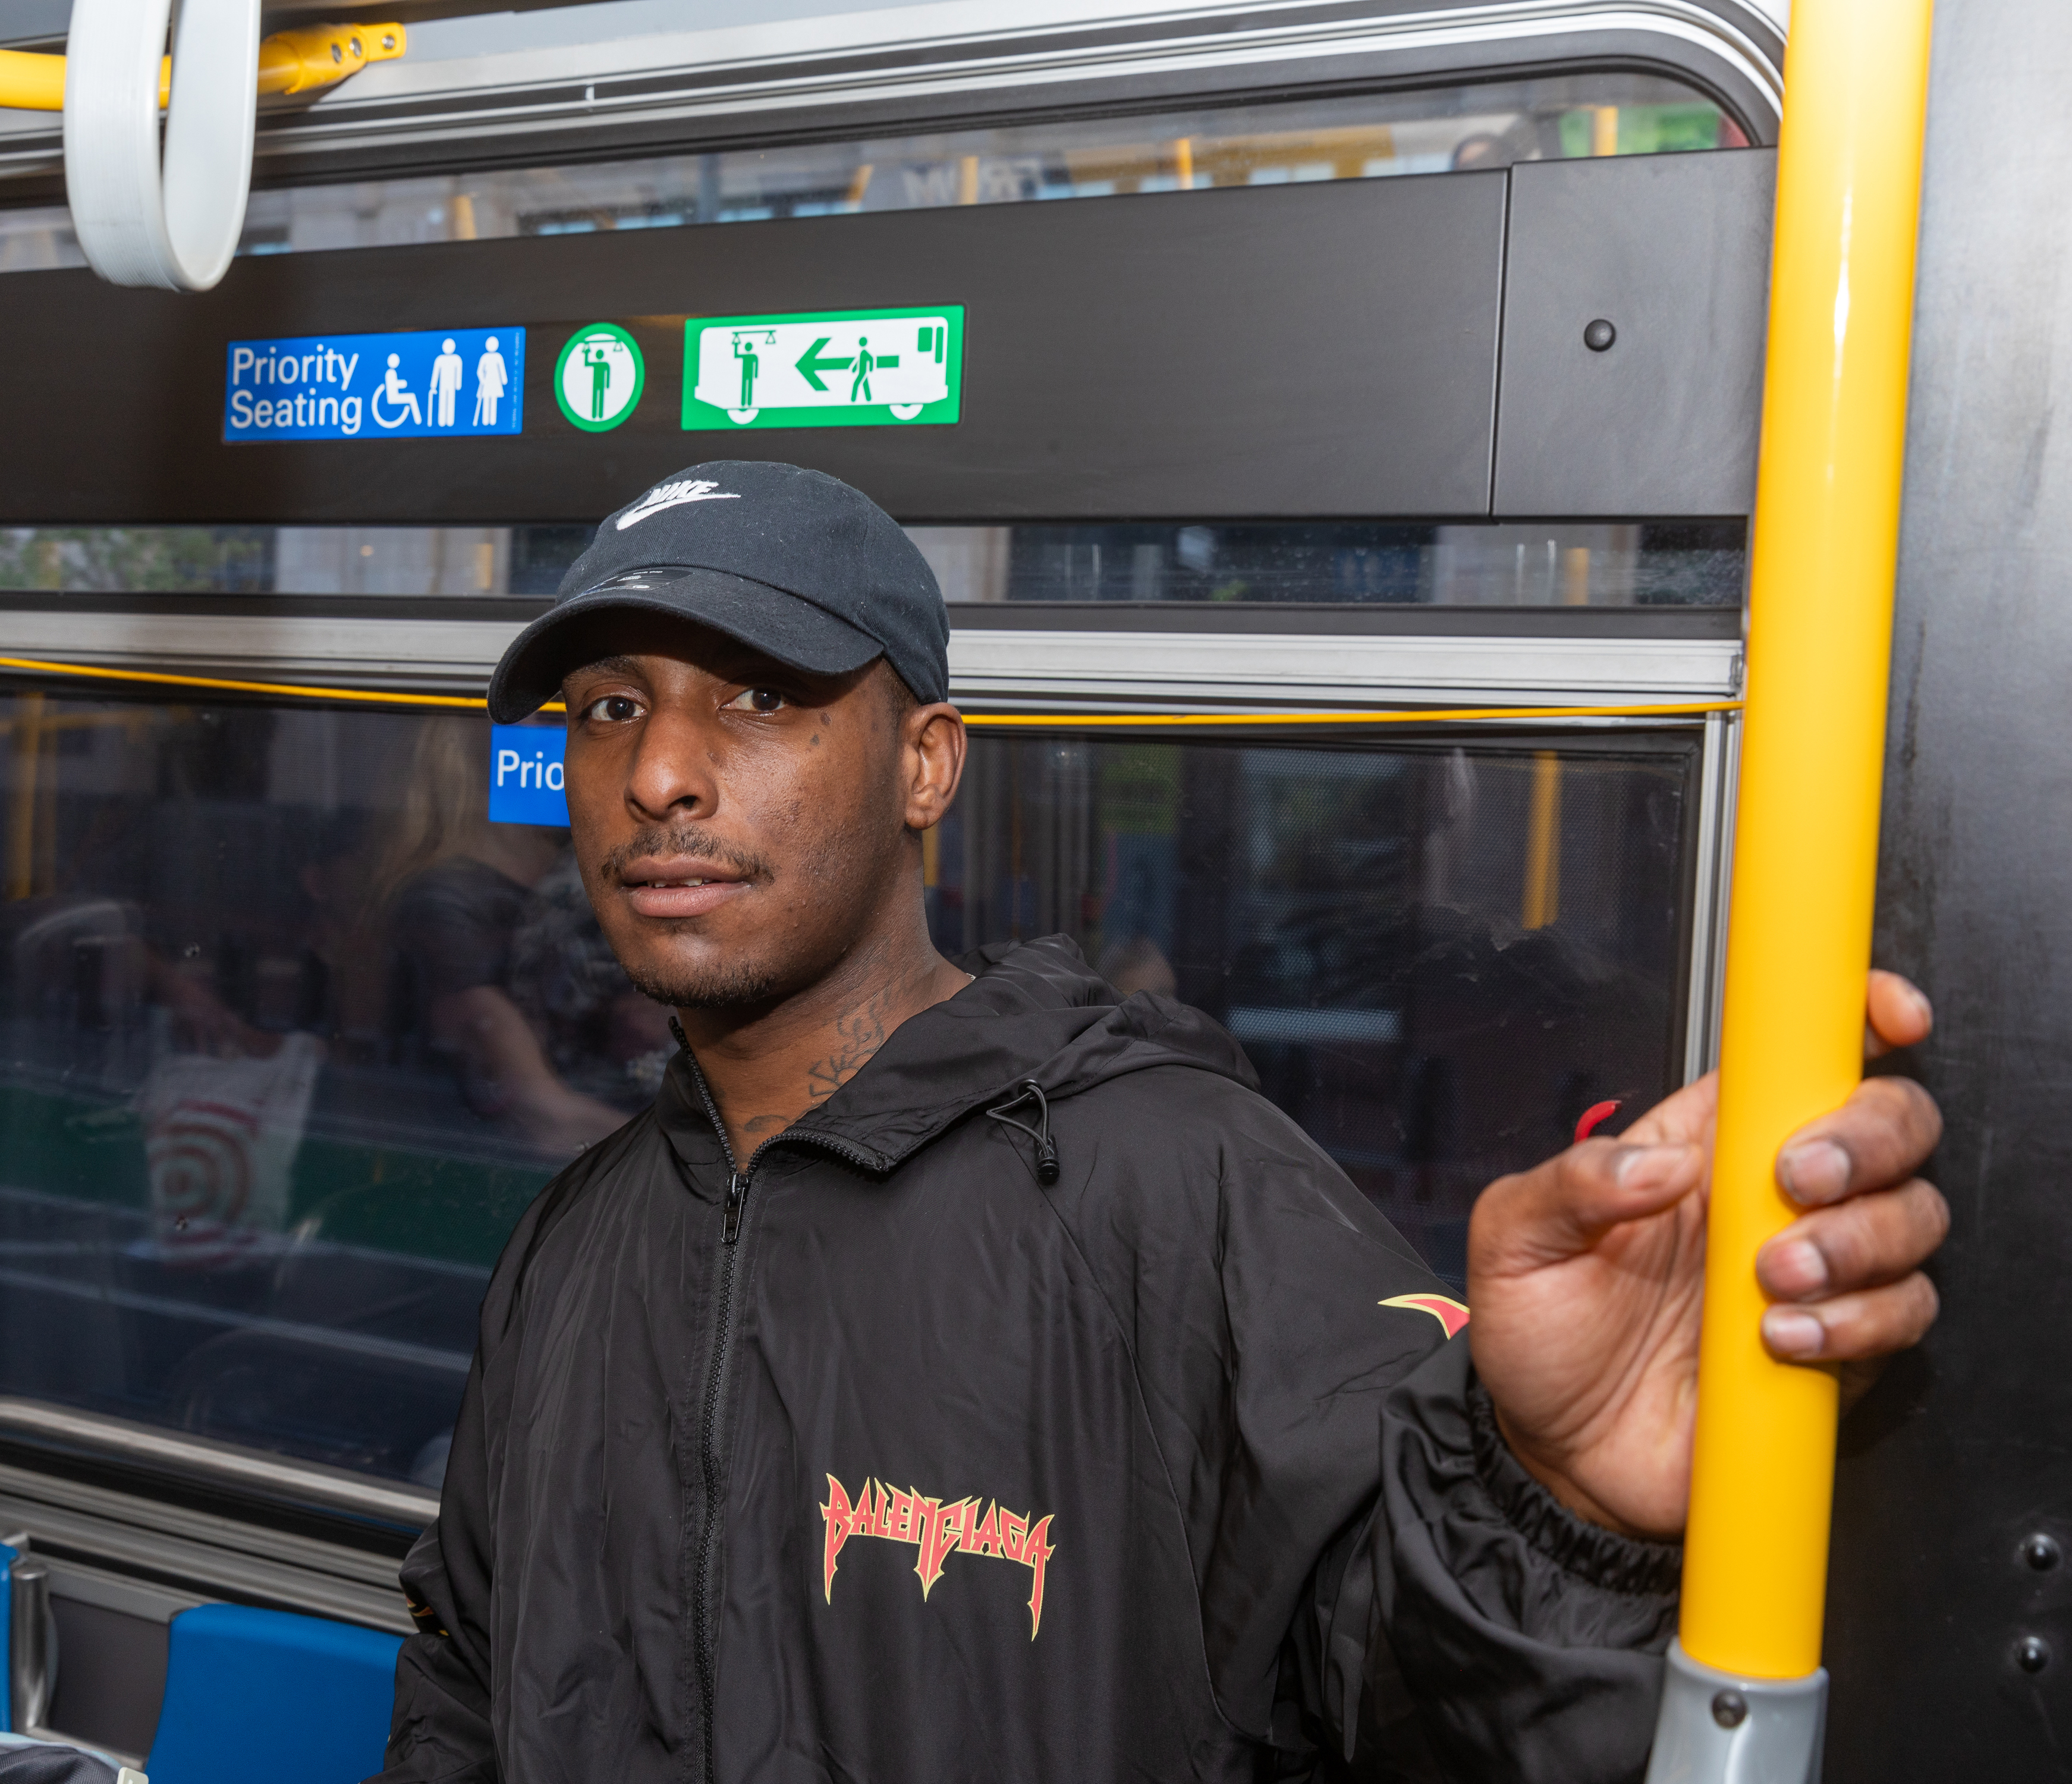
[671,496]
[1449,1312]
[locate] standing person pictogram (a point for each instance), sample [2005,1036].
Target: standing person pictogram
[446,375]
[744,350]
[860,388]
[599,360]
[491,376]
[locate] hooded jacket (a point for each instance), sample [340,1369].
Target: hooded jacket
[881,1458]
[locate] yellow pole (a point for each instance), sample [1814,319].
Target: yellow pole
[1848,181]
[1542,904]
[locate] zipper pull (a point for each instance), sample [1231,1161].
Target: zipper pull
[737,1193]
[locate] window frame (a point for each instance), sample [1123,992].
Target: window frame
[493,102]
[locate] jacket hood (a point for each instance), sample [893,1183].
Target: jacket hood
[1034,1010]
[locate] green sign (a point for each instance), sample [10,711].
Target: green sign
[829,369]
[599,376]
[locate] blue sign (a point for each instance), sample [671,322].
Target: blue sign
[436,384]
[525,775]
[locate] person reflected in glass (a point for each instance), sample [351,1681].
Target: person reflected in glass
[457,890]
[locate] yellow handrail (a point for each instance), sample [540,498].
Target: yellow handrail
[317,56]
[1806,834]
[289,62]
[1070,721]
[33,83]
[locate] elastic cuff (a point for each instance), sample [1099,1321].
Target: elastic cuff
[1629,1564]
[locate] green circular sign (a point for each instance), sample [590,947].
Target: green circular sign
[599,376]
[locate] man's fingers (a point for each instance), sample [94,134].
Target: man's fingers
[1880,1137]
[1863,1244]
[1873,1323]
[1897,1014]
[1561,1207]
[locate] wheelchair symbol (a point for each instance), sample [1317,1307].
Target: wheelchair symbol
[399,395]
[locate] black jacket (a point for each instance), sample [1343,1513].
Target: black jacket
[884,1460]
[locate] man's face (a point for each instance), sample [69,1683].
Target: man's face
[740,826]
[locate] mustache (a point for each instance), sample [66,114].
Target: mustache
[673,841]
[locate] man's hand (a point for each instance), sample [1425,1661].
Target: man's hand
[1586,1278]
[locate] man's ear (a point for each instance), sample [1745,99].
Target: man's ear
[932,753]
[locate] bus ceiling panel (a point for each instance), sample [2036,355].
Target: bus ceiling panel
[1635,296]
[993,662]
[1320,349]
[507,88]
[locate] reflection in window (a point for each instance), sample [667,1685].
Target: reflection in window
[1437,958]
[290,1034]
[1546,564]
[1362,136]
[141,560]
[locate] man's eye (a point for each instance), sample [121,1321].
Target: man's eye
[613,709]
[756,700]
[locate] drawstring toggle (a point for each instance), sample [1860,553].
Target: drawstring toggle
[1046,1153]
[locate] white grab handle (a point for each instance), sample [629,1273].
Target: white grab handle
[177,229]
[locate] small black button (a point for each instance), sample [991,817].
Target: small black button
[2032,1653]
[1729,1709]
[2041,1552]
[1599,335]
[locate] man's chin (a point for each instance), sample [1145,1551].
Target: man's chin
[717,984]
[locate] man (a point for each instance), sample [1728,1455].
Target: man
[962,1372]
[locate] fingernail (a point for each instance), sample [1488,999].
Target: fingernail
[1647,1167]
[1920,1003]
[1792,1334]
[1793,1268]
[1814,1172]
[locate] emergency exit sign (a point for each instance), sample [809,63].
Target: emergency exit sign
[826,369]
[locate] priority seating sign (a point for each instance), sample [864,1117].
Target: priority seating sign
[429,383]
[525,784]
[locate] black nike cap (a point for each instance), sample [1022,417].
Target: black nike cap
[792,562]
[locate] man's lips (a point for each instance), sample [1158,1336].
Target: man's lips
[679,888]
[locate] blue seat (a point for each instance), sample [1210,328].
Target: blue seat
[268,1697]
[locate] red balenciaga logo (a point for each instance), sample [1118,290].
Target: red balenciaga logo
[936,1528]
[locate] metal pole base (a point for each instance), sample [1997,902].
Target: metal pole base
[1716,1728]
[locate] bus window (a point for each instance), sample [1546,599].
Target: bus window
[1437,956]
[1687,564]
[293,1033]
[1682,564]
[1362,136]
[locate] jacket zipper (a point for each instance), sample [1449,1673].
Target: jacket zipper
[704,1635]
